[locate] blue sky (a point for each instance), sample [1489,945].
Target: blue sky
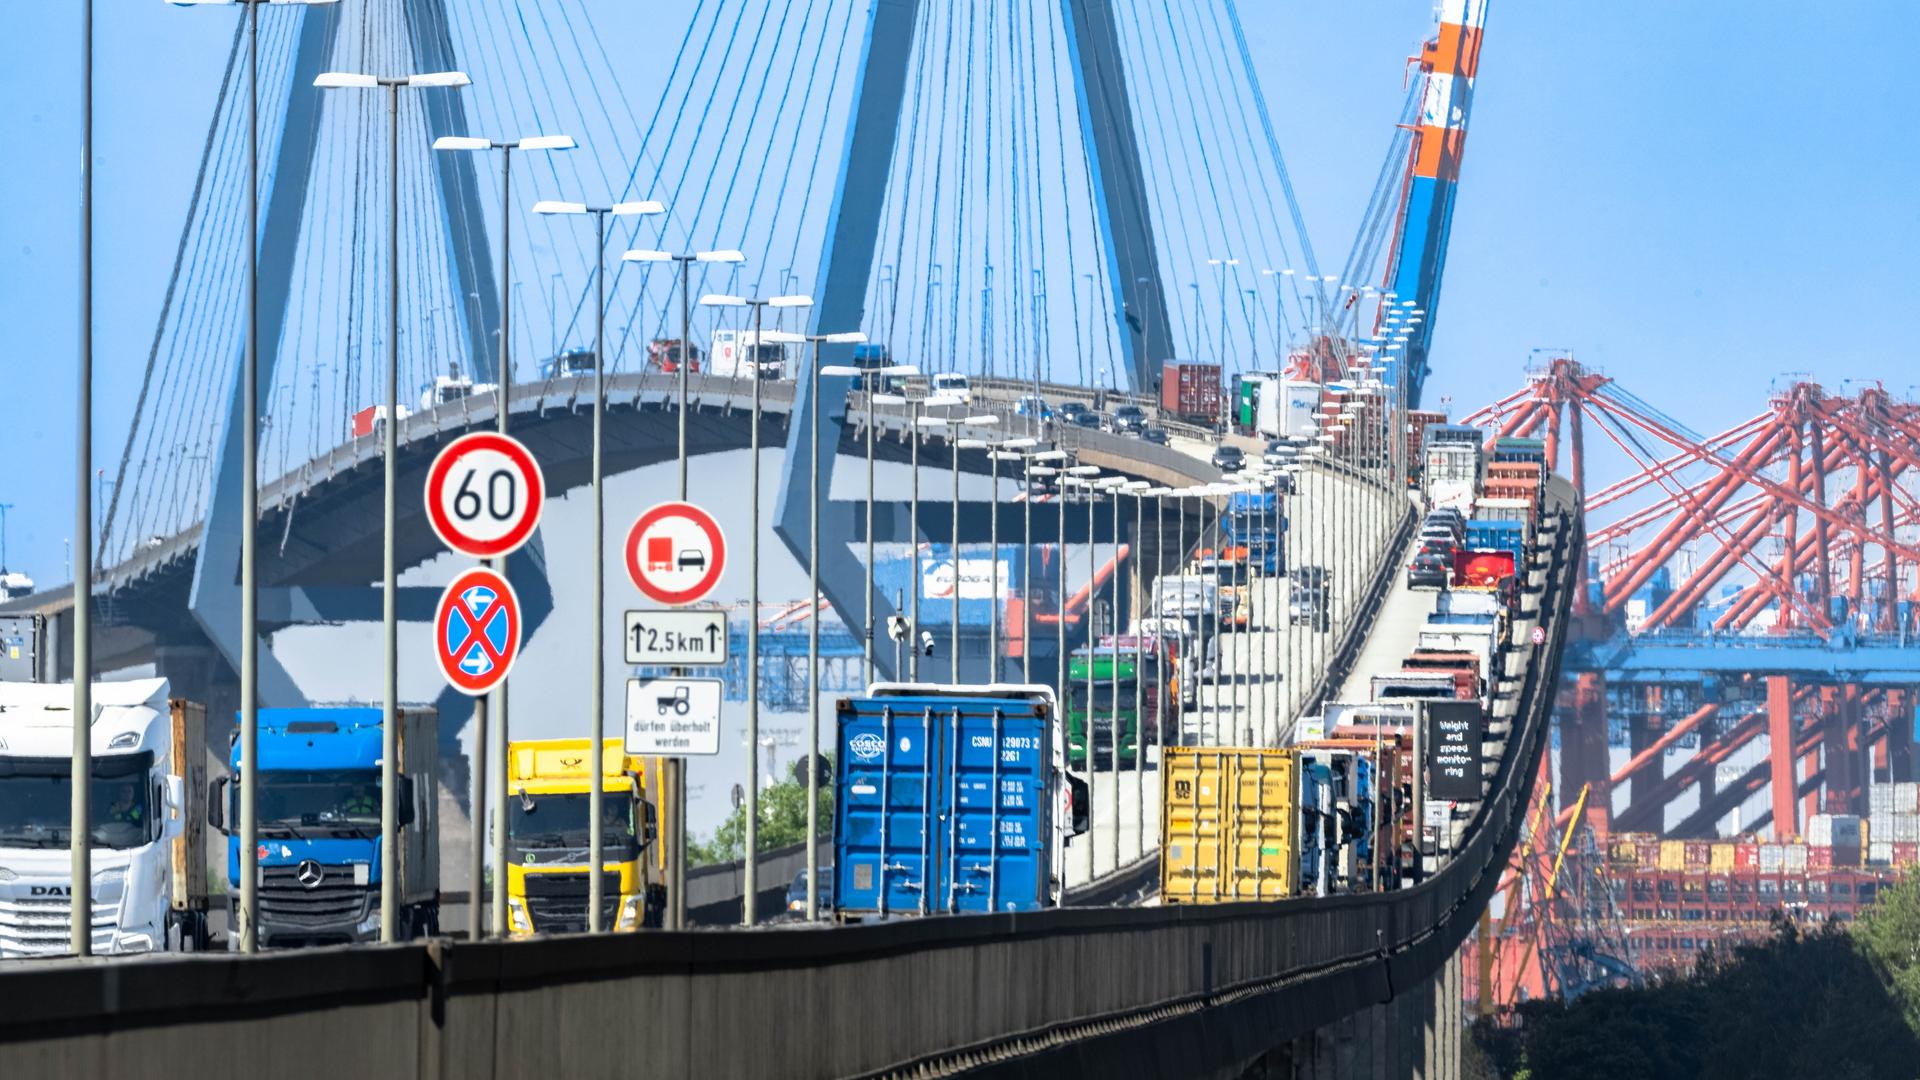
[1697,198]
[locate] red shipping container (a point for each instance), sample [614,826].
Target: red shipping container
[1649,850]
[1698,854]
[1819,858]
[1746,856]
[1905,854]
[1190,391]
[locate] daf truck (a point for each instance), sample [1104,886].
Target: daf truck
[317,800]
[549,785]
[149,884]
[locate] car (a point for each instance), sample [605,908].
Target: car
[1088,419]
[1032,405]
[1229,459]
[1280,452]
[1154,435]
[1429,568]
[797,892]
[1446,515]
[1127,419]
[1438,545]
[1438,530]
[952,384]
[1070,411]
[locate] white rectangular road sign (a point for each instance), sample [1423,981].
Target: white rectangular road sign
[673,717]
[676,638]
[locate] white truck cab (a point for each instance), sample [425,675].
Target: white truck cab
[738,354]
[952,384]
[140,821]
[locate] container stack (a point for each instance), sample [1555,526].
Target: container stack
[1893,824]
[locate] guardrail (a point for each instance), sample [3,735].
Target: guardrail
[1170,990]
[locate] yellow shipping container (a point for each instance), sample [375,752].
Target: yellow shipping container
[1673,855]
[1722,860]
[1227,825]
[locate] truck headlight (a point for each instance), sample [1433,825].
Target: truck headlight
[370,924]
[110,885]
[517,914]
[629,914]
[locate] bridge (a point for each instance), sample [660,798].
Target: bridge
[1361,984]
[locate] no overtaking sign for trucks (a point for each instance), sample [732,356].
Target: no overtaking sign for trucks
[675,553]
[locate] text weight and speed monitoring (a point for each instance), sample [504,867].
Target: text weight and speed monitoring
[484,494]
[673,717]
[676,638]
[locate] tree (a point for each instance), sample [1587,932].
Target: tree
[783,821]
[1889,933]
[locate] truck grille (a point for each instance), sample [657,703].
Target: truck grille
[335,902]
[557,903]
[42,926]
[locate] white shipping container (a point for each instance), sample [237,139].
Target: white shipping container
[1879,799]
[1880,853]
[1795,859]
[1772,858]
[1833,830]
[1906,828]
[1906,797]
[1450,494]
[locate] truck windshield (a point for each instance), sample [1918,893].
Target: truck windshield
[1103,696]
[36,802]
[330,799]
[559,823]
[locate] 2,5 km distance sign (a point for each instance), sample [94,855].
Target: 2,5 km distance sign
[484,494]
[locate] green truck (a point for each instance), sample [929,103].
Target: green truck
[1112,695]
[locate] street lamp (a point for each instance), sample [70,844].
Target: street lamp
[1026,552]
[813,633]
[389,452]
[872,398]
[488,783]
[685,361]
[597,710]
[753,583]
[249,544]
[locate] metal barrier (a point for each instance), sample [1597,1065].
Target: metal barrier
[1142,991]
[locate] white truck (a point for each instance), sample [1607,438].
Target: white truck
[737,353]
[149,884]
[1285,408]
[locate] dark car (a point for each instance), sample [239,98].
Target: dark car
[1229,459]
[1154,435]
[1070,411]
[797,892]
[1086,419]
[1128,420]
[1429,568]
[1308,598]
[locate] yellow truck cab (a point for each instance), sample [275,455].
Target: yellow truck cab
[547,838]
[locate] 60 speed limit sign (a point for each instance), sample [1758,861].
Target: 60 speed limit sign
[484,494]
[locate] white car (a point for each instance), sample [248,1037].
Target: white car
[953,385]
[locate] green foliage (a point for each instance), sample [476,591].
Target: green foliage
[783,821]
[1799,1004]
[1889,933]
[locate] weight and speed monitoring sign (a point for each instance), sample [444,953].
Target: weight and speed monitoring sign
[484,494]
[675,553]
[476,631]
[673,717]
[676,638]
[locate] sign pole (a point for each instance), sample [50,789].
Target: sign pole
[596,799]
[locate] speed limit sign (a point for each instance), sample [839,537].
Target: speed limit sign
[484,494]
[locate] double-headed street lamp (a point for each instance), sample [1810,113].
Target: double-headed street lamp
[597,710]
[488,783]
[685,360]
[249,545]
[760,338]
[389,451]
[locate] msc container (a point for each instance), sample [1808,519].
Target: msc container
[948,800]
[1190,391]
[1228,825]
[1673,854]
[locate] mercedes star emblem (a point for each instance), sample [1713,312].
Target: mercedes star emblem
[309,873]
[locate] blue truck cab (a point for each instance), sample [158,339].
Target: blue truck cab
[951,800]
[318,804]
[1343,796]
[1250,524]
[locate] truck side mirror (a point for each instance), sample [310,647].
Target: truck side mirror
[405,801]
[650,824]
[217,804]
[1080,803]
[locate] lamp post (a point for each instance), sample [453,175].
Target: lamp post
[249,907]
[1138,489]
[1003,451]
[813,639]
[1115,484]
[685,361]
[389,452]
[1225,264]
[873,397]
[1026,552]
[597,710]
[752,821]
[955,444]
[488,781]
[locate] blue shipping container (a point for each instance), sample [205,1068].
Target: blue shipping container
[944,802]
[1484,534]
